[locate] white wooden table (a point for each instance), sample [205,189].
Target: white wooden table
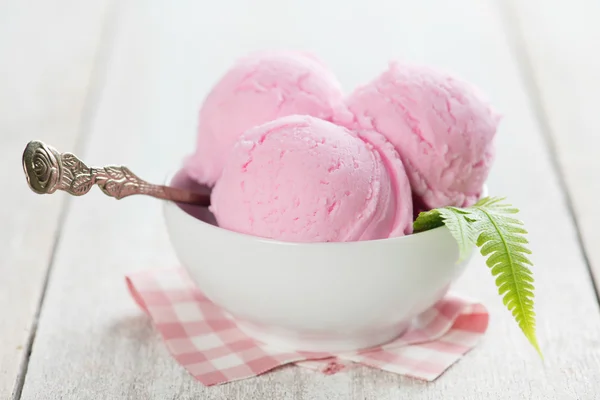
[121,82]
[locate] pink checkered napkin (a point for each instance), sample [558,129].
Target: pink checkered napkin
[208,344]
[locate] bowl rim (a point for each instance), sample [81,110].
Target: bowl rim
[246,236]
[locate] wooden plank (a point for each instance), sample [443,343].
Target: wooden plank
[94,343]
[561,44]
[47,57]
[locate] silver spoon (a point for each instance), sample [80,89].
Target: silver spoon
[47,171]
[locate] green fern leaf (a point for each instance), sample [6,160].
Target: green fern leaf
[458,224]
[489,225]
[428,220]
[461,227]
[500,238]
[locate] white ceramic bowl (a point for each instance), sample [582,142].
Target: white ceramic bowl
[318,296]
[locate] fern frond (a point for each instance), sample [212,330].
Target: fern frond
[458,223]
[501,239]
[428,220]
[461,227]
[489,225]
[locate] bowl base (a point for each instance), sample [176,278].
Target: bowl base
[313,343]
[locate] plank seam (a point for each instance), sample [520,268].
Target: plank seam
[518,46]
[90,102]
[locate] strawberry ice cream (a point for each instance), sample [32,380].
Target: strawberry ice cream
[441,127]
[303,179]
[260,88]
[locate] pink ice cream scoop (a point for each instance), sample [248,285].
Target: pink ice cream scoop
[303,179]
[441,127]
[260,88]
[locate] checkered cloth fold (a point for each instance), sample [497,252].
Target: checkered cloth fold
[208,344]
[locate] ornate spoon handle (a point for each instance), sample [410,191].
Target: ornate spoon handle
[47,171]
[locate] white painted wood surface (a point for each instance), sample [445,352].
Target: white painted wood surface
[47,57]
[92,341]
[564,64]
